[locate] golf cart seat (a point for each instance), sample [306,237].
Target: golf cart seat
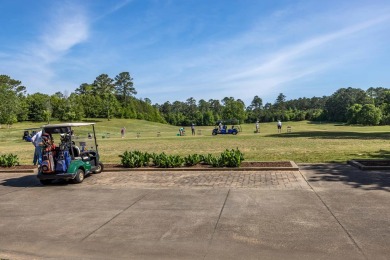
[76,151]
[90,156]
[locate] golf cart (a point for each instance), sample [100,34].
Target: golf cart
[222,128]
[75,156]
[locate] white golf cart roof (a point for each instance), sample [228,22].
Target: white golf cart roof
[33,128]
[67,125]
[63,128]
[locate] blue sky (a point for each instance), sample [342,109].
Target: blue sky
[176,49]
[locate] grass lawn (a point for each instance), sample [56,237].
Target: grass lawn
[307,142]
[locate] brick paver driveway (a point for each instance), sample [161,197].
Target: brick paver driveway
[222,179]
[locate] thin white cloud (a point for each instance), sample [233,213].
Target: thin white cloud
[66,25]
[285,57]
[114,9]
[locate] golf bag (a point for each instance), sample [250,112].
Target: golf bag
[67,158]
[61,165]
[63,161]
[47,162]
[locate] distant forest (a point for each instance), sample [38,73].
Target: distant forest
[115,98]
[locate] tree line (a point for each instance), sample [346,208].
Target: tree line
[108,98]
[103,98]
[348,105]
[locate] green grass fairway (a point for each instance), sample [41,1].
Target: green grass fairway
[307,142]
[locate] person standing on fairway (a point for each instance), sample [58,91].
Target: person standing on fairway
[123,132]
[279,126]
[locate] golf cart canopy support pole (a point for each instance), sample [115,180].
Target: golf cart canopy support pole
[94,136]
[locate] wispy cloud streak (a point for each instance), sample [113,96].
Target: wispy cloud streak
[114,9]
[67,26]
[284,57]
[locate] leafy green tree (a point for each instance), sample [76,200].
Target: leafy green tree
[208,118]
[339,102]
[204,109]
[38,106]
[11,84]
[73,110]
[216,107]
[8,106]
[85,89]
[144,110]
[166,108]
[315,115]
[378,95]
[105,88]
[233,109]
[203,106]
[103,84]
[256,104]
[22,112]
[255,109]
[148,101]
[92,106]
[280,101]
[353,113]
[12,100]
[191,110]
[58,103]
[124,86]
[369,115]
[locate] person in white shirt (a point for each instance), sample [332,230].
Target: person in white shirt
[36,141]
[279,126]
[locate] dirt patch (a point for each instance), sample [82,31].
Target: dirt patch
[266,164]
[20,167]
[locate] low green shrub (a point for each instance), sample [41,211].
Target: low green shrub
[167,161]
[228,158]
[192,159]
[9,160]
[207,159]
[135,159]
[231,158]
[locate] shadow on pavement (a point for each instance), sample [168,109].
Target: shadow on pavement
[29,181]
[367,180]
[24,181]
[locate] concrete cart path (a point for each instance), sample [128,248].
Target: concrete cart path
[322,212]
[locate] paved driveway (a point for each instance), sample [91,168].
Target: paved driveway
[320,212]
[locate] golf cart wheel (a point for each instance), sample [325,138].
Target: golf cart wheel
[99,169]
[234,132]
[215,132]
[45,182]
[79,176]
